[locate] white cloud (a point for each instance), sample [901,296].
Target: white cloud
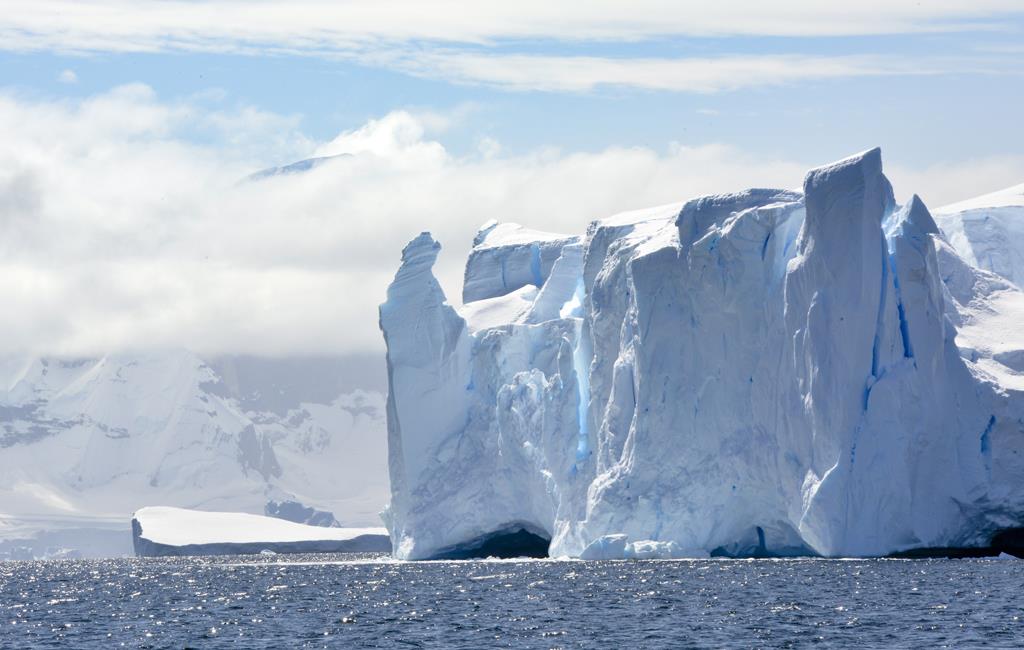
[397,136]
[312,25]
[116,232]
[488,147]
[67,77]
[699,75]
[468,42]
[943,183]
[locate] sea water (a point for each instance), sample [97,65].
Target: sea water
[370,601]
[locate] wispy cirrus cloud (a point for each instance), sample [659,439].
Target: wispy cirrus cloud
[225,25]
[480,42]
[690,74]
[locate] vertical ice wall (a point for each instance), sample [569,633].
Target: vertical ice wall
[482,421]
[762,372]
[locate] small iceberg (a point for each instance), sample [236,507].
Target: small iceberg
[160,531]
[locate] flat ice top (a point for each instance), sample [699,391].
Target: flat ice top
[659,212]
[1008,198]
[179,527]
[512,234]
[498,311]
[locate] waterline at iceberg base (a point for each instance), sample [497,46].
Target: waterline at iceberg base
[770,372]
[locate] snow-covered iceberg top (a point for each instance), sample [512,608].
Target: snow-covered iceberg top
[767,372]
[1011,197]
[159,527]
[988,231]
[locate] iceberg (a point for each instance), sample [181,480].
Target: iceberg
[159,531]
[769,372]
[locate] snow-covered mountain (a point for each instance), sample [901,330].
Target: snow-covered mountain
[294,168]
[84,443]
[766,372]
[988,231]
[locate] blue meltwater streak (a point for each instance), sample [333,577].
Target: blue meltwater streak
[581,355]
[535,270]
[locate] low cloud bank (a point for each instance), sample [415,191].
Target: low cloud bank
[126,221]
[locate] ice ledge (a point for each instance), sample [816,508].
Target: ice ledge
[698,214]
[869,161]
[507,257]
[494,235]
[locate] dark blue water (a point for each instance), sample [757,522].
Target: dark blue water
[333,601]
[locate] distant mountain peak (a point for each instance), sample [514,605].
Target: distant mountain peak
[294,168]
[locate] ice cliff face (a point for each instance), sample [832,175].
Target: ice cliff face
[763,372]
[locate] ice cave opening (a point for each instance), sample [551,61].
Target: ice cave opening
[516,540]
[1009,540]
[1006,540]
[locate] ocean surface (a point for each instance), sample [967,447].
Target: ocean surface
[348,601]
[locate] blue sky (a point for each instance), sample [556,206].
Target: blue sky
[125,128]
[945,95]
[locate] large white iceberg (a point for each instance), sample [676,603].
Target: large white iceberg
[766,372]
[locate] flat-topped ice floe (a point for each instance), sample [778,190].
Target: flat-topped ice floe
[769,372]
[165,531]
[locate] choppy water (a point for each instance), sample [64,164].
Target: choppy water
[335,601]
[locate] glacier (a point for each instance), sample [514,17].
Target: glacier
[84,442]
[770,372]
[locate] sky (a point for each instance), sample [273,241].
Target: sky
[128,132]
